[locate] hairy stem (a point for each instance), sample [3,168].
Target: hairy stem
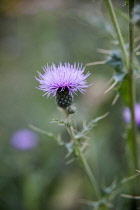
[83,159]
[131,80]
[118,31]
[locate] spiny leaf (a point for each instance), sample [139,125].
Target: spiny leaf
[89,126]
[116,186]
[123,90]
[60,122]
[116,62]
[69,145]
[42,131]
[130,196]
[127,2]
[109,191]
[127,179]
[95,204]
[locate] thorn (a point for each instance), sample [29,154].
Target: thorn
[115,99]
[131,196]
[138,171]
[96,63]
[104,51]
[70,161]
[112,86]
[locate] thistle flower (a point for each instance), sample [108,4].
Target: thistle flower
[127,115]
[24,139]
[62,82]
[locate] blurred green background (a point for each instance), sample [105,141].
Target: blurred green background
[34,33]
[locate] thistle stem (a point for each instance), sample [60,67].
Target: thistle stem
[118,31]
[83,159]
[129,65]
[133,141]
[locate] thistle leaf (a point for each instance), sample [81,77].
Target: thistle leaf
[116,62]
[42,131]
[89,126]
[127,2]
[123,90]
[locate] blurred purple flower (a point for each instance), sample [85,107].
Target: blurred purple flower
[24,139]
[61,78]
[127,116]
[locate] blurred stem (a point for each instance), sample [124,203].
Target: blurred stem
[83,159]
[118,31]
[129,65]
[132,86]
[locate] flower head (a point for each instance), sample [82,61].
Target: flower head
[24,139]
[62,81]
[61,77]
[127,115]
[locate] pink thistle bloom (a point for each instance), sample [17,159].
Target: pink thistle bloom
[64,76]
[127,115]
[62,81]
[24,139]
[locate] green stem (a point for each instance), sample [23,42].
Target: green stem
[118,31]
[133,141]
[83,160]
[129,65]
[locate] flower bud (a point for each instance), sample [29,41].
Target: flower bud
[71,109]
[63,98]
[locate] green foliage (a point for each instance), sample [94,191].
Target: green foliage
[136,14]
[79,135]
[116,62]
[123,90]
[86,129]
[127,2]
[110,193]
